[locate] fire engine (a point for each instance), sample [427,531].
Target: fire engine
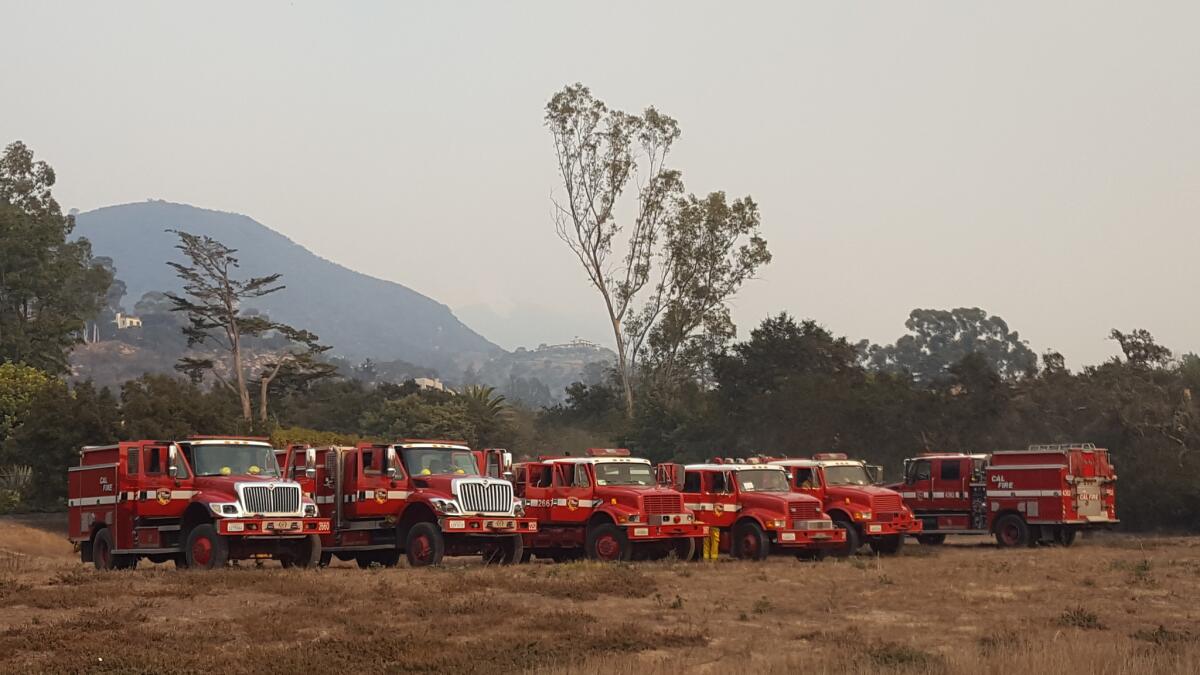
[605,505]
[1045,492]
[423,498]
[754,508]
[868,513]
[200,502]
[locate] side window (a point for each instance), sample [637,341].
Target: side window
[370,462]
[131,462]
[691,481]
[563,474]
[181,467]
[154,461]
[581,477]
[921,471]
[951,469]
[718,482]
[540,476]
[805,478]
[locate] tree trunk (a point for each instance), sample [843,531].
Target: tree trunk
[239,371]
[262,401]
[623,367]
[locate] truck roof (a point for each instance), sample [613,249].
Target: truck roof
[450,445]
[729,467]
[950,455]
[595,460]
[817,462]
[226,441]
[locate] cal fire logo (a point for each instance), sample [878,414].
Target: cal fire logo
[1001,483]
[718,508]
[163,496]
[380,496]
[572,503]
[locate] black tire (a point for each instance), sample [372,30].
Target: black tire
[1065,535]
[205,549]
[889,545]
[1011,531]
[305,553]
[102,546]
[525,556]
[608,542]
[749,542]
[853,538]
[503,550]
[931,539]
[424,545]
[685,548]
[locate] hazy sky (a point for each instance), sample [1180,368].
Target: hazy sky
[1040,160]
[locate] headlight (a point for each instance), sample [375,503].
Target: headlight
[310,510]
[446,506]
[226,509]
[519,508]
[635,518]
[863,515]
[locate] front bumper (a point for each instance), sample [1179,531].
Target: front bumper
[272,527]
[645,532]
[888,528]
[486,525]
[817,538]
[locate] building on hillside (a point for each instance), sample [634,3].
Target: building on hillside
[124,321]
[431,384]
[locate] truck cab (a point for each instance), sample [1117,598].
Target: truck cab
[200,502]
[425,499]
[1042,493]
[755,509]
[868,513]
[605,505]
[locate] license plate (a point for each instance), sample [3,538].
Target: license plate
[500,524]
[820,535]
[283,525]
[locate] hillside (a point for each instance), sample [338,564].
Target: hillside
[360,315]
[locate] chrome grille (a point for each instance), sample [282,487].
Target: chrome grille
[812,524]
[804,510]
[885,503]
[271,500]
[663,503]
[491,497]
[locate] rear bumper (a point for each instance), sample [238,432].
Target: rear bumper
[830,538]
[272,527]
[477,525]
[885,529]
[639,532]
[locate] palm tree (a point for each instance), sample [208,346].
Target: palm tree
[489,411]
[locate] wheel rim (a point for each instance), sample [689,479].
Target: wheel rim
[607,547]
[422,549]
[1009,534]
[202,550]
[749,545]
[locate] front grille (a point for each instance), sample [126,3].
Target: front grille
[271,500]
[663,503]
[804,510]
[812,524]
[885,503]
[493,497]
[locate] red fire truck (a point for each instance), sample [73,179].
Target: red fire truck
[755,509]
[199,502]
[868,513]
[426,499]
[607,506]
[1043,493]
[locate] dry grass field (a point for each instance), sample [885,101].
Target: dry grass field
[1108,605]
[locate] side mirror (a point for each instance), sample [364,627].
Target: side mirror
[508,476]
[173,471]
[506,462]
[310,463]
[172,461]
[875,473]
[389,463]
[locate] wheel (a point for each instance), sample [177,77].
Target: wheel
[1011,530]
[749,541]
[1064,536]
[931,539]
[817,554]
[102,546]
[889,545]
[684,549]
[205,548]
[608,542]
[424,545]
[305,552]
[853,538]
[503,551]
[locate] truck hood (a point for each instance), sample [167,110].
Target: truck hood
[631,495]
[221,488]
[441,485]
[776,502]
[858,494]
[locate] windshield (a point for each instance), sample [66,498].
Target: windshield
[853,474]
[623,473]
[429,461]
[762,480]
[232,460]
